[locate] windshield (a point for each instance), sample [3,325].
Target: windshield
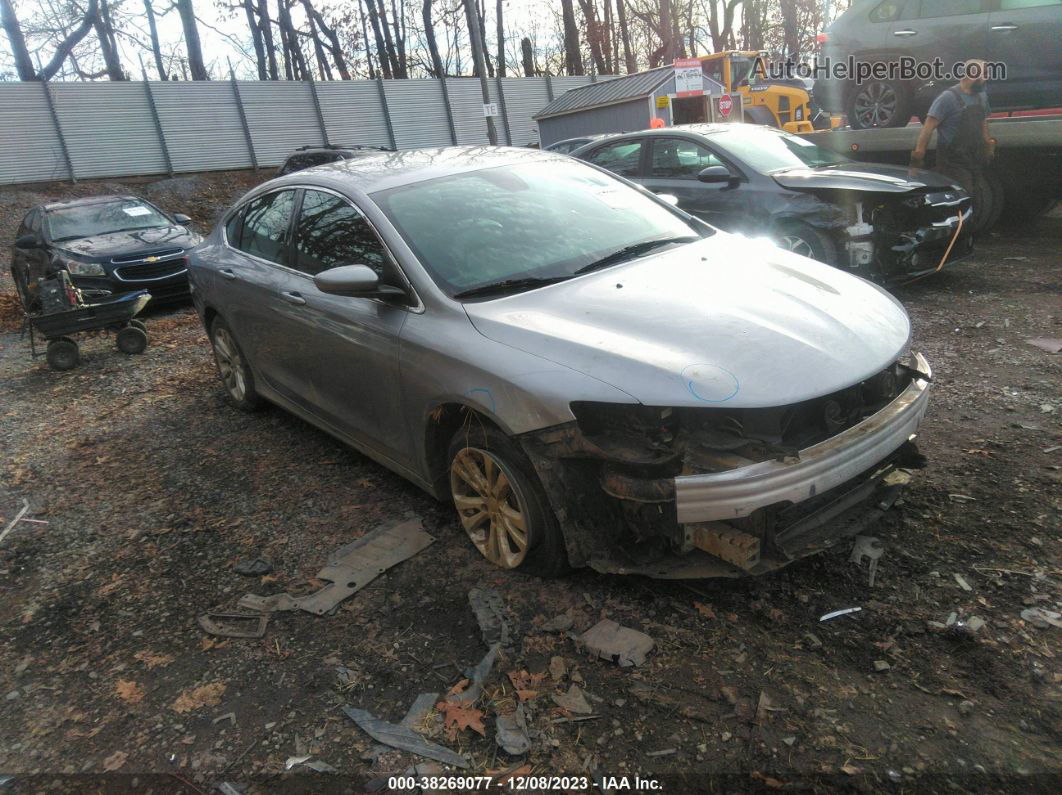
[768,150]
[87,220]
[525,221]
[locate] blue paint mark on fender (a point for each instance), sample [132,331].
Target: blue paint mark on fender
[483,395]
[710,383]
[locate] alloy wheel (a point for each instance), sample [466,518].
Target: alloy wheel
[875,105]
[230,364]
[492,509]
[797,245]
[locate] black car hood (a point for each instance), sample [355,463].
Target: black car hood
[868,177]
[123,244]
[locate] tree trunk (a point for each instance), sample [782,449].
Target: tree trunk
[790,31]
[265,26]
[500,26]
[256,36]
[71,41]
[333,45]
[13,29]
[629,61]
[108,46]
[594,36]
[528,57]
[573,59]
[365,39]
[398,25]
[156,49]
[323,69]
[437,69]
[388,40]
[191,40]
[382,56]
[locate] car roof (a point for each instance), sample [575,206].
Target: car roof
[384,170]
[88,200]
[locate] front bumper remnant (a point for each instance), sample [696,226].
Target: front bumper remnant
[736,493]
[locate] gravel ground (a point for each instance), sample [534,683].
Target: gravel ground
[152,488]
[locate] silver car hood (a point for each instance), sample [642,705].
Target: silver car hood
[726,321]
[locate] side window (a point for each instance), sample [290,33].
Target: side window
[331,232]
[1012,5]
[673,157]
[233,227]
[265,226]
[621,157]
[888,11]
[949,8]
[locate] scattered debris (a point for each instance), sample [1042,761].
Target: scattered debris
[1049,344]
[234,625]
[1042,618]
[307,761]
[415,716]
[253,567]
[966,708]
[478,675]
[403,738]
[129,692]
[18,518]
[510,732]
[1015,259]
[961,498]
[811,642]
[975,624]
[561,623]
[489,609]
[351,568]
[962,582]
[621,645]
[881,665]
[204,696]
[557,668]
[525,684]
[115,761]
[838,613]
[870,548]
[664,752]
[764,708]
[574,701]
[229,716]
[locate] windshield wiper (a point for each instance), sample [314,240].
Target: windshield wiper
[634,250]
[510,286]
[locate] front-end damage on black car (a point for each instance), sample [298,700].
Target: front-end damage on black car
[718,492]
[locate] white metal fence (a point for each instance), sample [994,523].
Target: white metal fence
[59,131]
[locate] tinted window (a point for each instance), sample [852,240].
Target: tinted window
[887,11]
[233,227]
[265,226]
[769,150]
[331,232]
[521,220]
[620,158]
[949,8]
[673,157]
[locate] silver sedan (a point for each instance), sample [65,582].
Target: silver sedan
[590,375]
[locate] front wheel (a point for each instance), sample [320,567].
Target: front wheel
[501,504]
[878,103]
[806,241]
[131,340]
[63,354]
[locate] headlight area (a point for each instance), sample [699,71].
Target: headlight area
[644,489]
[82,268]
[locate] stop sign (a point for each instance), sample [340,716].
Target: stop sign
[726,104]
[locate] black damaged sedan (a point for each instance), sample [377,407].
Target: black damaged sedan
[885,223]
[109,245]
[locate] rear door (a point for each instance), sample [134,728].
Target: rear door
[623,157]
[672,167]
[951,30]
[1026,35]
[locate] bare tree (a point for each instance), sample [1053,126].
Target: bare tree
[573,58]
[437,68]
[156,48]
[104,27]
[15,37]
[63,50]
[629,60]
[191,40]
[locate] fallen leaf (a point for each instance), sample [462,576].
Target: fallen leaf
[204,696]
[129,692]
[153,660]
[849,769]
[704,610]
[457,717]
[768,781]
[115,761]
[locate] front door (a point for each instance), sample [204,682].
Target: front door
[345,350]
[1026,36]
[673,166]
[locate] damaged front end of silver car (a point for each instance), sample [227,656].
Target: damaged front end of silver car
[691,492]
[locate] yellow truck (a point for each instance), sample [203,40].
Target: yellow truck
[778,103]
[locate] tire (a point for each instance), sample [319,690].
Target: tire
[138,324]
[232,366]
[63,354]
[131,340]
[484,464]
[807,241]
[878,103]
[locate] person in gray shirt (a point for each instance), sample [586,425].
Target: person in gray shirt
[964,147]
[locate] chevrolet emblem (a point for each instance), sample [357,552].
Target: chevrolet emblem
[151,259]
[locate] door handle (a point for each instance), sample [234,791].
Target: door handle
[904,33]
[1005,27]
[293,298]
[227,274]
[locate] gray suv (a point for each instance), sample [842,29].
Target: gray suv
[1023,34]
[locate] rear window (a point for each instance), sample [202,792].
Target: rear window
[266,222]
[949,8]
[888,11]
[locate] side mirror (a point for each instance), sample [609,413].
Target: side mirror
[714,174]
[28,241]
[182,219]
[670,198]
[354,281]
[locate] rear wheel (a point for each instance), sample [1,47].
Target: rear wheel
[63,354]
[138,324]
[131,340]
[501,503]
[806,241]
[878,103]
[232,367]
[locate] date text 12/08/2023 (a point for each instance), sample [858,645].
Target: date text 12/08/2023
[524,783]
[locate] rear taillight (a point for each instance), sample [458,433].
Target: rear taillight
[820,39]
